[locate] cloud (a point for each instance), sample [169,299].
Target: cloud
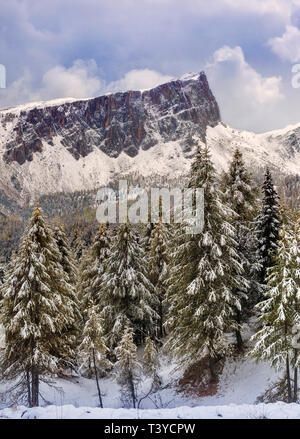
[247,80]
[138,80]
[287,47]
[245,96]
[282,8]
[86,48]
[78,81]
[81,80]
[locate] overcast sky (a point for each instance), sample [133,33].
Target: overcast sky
[83,48]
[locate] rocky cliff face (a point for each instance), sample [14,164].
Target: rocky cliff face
[69,145]
[128,122]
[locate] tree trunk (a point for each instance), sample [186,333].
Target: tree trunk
[132,391]
[97,380]
[161,328]
[295,398]
[213,375]
[35,387]
[28,387]
[239,340]
[288,378]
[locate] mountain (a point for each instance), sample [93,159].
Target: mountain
[70,145]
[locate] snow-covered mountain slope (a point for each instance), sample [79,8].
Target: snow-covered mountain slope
[279,149]
[69,145]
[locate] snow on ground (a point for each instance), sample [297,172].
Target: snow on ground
[279,410]
[240,384]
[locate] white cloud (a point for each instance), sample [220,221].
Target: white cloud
[283,8]
[287,47]
[81,80]
[248,100]
[246,79]
[138,80]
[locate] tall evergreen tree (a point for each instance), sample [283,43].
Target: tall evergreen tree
[203,310]
[69,265]
[267,227]
[128,367]
[158,267]
[241,194]
[93,268]
[93,350]
[128,298]
[148,230]
[37,308]
[67,259]
[277,340]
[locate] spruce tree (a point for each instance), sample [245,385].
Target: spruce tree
[279,312]
[93,267]
[241,194]
[128,296]
[67,259]
[203,310]
[93,350]
[158,267]
[128,367]
[37,309]
[267,228]
[150,362]
[69,265]
[148,230]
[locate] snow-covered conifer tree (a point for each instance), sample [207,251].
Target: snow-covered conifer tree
[128,367]
[277,340]
[241,194]
[67,258]
[36,310]
[146,240]
[93,268]
[127,298]
[93,350]
[158,267]
[151,363]
[267,227]
[201,311]
[150,356]
[68,263]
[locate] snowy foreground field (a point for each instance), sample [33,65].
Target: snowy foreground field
[240,384]
[244,411]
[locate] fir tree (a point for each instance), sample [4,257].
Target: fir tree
[37,309]
[267,228]
[241,194]
[128,367]
[67,259]
[280,311]
[158,267]
[77,244]
[203,310]
[93,268]
[93,350]
[68,263]
[127,296]
[146,241]
[150,362]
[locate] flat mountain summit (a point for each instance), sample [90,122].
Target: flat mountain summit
[69,145]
